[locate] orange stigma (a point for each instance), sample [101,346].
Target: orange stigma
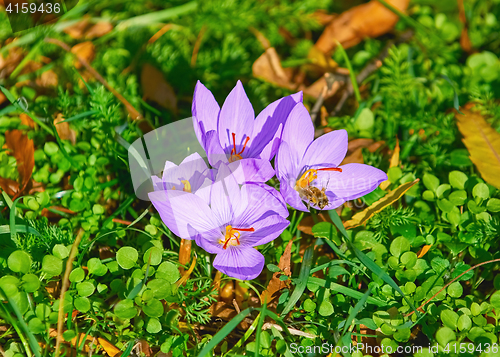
[311,175]
[232,236]
[237,156]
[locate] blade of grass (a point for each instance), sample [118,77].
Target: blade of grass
[351,72]
[245,337]
[14,102]
[157,16]
[226,330]
[20,228]
[303,276]
[33,343]
[12,220]
[13,323]
[354,312]
[344,290]
[127,352]
[79,116]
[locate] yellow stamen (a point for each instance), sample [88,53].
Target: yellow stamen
[187,186]
[233,235]
[311,175]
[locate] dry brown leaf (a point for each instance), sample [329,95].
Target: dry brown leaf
[157,89]
[99,29]
[352,26]
[223,310]
[63,129]
[268,67]
[109,348]
[48,79]
[275,284]
[355,152]
[483,143]
[84,50]
[86,29]
[26,120]
[423,251]
[393,163]
[23,150]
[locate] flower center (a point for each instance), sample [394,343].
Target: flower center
[232,236]
[310,175]
[187,186]
[237,156]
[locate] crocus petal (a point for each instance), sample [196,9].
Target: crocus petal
[244,264]
[287,163]
[236,116]
[257,203]
[178,209]
[354,181]
[283,210]
[268,122]
[251,170]
[215,154]
[326,151]
[292,197]
[225,196]
[205,110]
[299,130]
[266,230]
[210,242]
[185,171]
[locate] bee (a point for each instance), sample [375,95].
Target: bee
[314,196]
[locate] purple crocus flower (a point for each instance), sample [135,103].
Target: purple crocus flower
[308,169]
[234,136]
[237,219]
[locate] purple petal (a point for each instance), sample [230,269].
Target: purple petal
[298,131]
[266,230]
[256,203]
[244,264]
[291,196]
[283,210]
[215,154]
[326,151]
[178,209]
[354,181]
[205,110]
[225,196]
[193,169]
[251,170]
[287,163]
[209,243]
[267,124]
[236,116]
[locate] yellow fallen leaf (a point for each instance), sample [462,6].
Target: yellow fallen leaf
[483,143]
[394,162]
[185,277]
[423,251]
[108,347]
[360,218]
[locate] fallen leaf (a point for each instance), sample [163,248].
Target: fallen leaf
[85,28]
[465,42]
[268,67]
[223,310]
[109,348]
[360,218]
[157,89]
[23,150]
[84,50]
[63,129]
[100,29]
[352,26]
[354,150]
[184,253]
[423,251]
[483,143]
[48,79]
[275,284]
[393,163]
